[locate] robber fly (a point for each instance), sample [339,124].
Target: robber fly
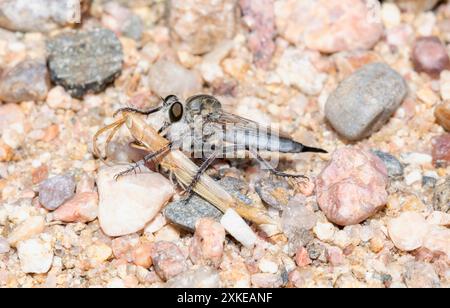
[202,128]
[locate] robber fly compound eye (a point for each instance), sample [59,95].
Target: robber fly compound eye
[176,112]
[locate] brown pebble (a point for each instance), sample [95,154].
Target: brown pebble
[142,255]
[442,114]
[441,150]
[168,260]
[430,56]
[39,174]
[207,245]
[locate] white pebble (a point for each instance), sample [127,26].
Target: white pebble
[36,256]
[237,227]
[417,158]
[391,15]
[324,231]
[268,266]
[413,177]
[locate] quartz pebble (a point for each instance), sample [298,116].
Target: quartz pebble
[167,78]
[421,275]
[365,101]
[207,245]
[438,240]
[439,218]
[36,256]
[266,280]
[142,255]
[54,191]
[199,277]
[98,253]
[238,228]
[85,62]
[352,187]
[445,85]
[297,216]
[408,231]
[324,231]
[168,260]
[26,230]
[302,257]
[442,114]
[188,19]
[122,213]
[393,165]
[83,207]
[38,15]
[4,246]
[430,56]
[441,198]
[27,81]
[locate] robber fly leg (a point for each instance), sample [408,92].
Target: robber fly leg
[137,165]
[204,166]
[274,171]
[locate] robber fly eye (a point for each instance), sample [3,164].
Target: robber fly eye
[176,112]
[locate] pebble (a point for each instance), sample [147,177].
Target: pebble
[324,231]
[266,280]
[430,56]
[266,265]
[168,260]
[123,247]
[442,114]
[238,228]
[416,158]
[297,217]
[11,115]
[260,18]
[122,212]
[302,257]
[187,20]
[394,167]
[197,278]
[441,198]
[274,192]
[445,85]
[4,246]
[29,228]
[335,256]
[27,81]
[98,253]
[373,93]
[85,61]
[83,208]
[35,255]
[416,5]
[391,15]
[441,150]
[438,240]
[439,218]
[408,231]
[38,15]
[56,190]
[142,255]
[413,177]
[420,275]
[167,78]
[6,152]
[352,187]
[296,69]
[316,251]
[344,25]
[121,20]
[186,214]
[207,244]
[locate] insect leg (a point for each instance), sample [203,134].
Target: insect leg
[204,166]
[143,161]
[273,170]
[134,110]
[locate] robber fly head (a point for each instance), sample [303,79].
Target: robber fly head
[173,109]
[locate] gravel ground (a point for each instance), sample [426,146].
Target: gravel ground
[367,81]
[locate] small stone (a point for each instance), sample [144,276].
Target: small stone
[238,228]
[35,256]
[441,150]
[266,280]
[38,15]
[316,251]
[376,244]
[83,208]
[142,255]
[54,191]
[438,240]
[120,19]
[167,78]
[302,258]
[260,18]
[98,253]
[430,56]
[420,275]
[297,216]
[415,158]
[4,246]
[445,85]
[123,247]
[416,6]
[439,219]
[27,81]
[207,245]
[168,233]
[352,187]
[58,98]
[442,114]
[393,165]
[365,101]
[413,177]
[11,115]
[274,192]
[168,260]
[187,20]
[187,214]
[26,230]
[156,224]
[85,62]
[441,198]
[122,213]
[6,152]
[324,231]
[296,69]
[197,278]
[267,265]
[408,231]
[335,256]
[391,15]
